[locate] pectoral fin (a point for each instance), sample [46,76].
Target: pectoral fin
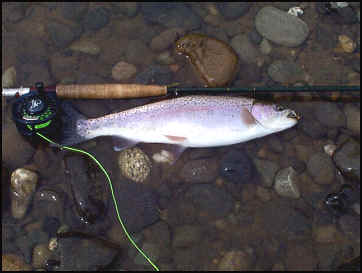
[178,139]
[247,118]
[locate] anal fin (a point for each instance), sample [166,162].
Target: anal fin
[120,144]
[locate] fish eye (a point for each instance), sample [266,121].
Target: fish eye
[279,108]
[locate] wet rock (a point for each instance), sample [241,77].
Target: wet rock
[63,35]
[96,19]
[286,183]
[267,170]
[263,194]
[75,254]
[165,58]
[41,254]
[51,225]
[286,72]
[5,185]
[128,9]
[138,53]
[199,171]
[123,71]
[348,158]
[236,167]
[215,62]
[345,15]
[15,12]
[235,260]
[153,252]
[350,226]
[62,67]
[137,205]
[255,37]
[12,262]
[23,184]
[247,52]
[346,43]
[281,218]
[89,207]
[186,236]
[166,38]
[74,11]
[325,233]
[86,47]
[9,77]
[29,74]
[209,201]
[313,128]
[281,27]
[353,115]
[134,164]
[329,114]
[154,74]
[233,10]
[171,15]
[301,257]
[321,168]
[265,47]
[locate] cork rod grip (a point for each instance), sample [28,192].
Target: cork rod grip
[109,91]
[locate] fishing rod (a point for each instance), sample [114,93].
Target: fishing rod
[124,91]
[36,111]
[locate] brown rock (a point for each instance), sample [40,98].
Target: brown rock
[12,262]
[300,257]
[235,260]
[123,71]
[214,60]
[325,234]
[166,38]
[200,171]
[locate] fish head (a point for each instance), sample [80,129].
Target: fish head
[274,116]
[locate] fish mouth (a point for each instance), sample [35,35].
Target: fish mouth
[294,115]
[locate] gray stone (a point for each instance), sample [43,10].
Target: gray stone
[330,115]
[281,27]
[23,184]
[96,18]
[185,236]
[353,115]
[348,158]
[200,171]
[233,10]
[138,52]
[321,168]
[350,226]
[286,72]
[286,183]
[265,47]
[267,170]
[153,252]
[62,35]
[245,49]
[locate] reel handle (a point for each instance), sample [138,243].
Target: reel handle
[109,91]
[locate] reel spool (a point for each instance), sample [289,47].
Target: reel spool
[35,112]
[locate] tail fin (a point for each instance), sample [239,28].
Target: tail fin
[74,125]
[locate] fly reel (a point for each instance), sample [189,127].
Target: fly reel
[37,112]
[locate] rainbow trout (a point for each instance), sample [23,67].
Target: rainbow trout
[190,121]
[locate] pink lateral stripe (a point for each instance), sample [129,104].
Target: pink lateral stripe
[176,138]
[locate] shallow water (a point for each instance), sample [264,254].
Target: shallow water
[205,219]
